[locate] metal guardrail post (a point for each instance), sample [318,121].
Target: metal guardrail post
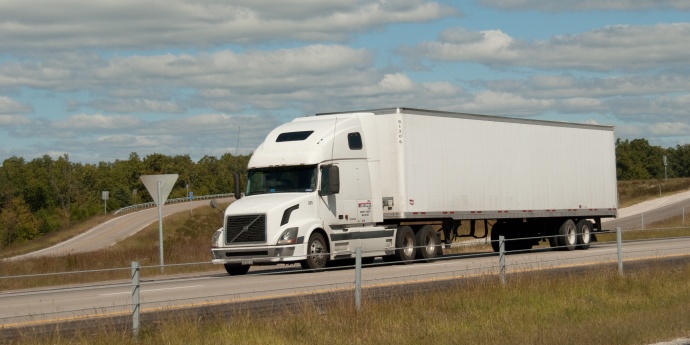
[358,278]
[136,304]
[619,244]
[502,258]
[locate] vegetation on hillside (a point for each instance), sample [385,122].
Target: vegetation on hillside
[43,195]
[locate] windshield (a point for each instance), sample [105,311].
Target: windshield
[282,180]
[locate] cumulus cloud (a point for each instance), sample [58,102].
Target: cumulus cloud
[10,106]
[585,5]
[130,24]
[97,122]
[13,120]
[611,48]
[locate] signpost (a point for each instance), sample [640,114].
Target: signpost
[104,195]
[665,165]
[159,186]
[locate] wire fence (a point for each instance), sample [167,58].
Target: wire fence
[129,298]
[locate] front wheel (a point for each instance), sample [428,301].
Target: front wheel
[317,254]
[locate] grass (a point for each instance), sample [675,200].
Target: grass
[636,191]
[187,239]
[55,237]
[594,307]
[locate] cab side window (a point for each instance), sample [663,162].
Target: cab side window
[354,141]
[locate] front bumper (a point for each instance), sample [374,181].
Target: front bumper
[266,255]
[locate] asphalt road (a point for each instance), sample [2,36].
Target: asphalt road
[65,303]
[115,230]
[641,220]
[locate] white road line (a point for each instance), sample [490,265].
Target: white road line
[142,291]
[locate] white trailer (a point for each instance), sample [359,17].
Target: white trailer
[386,180]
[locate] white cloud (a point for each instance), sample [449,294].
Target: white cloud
[585,5]
[618,47]
[10,106]
[13,120]
[97,122]
[130,24]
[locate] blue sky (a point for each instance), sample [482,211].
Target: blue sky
[98,80]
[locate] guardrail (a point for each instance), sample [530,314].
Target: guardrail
[174,201]
[122,299]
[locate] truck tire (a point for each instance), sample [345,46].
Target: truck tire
[584,234]
[428,243]
[567,235]
[497,230]
[236,270]
[405,246]
[317,253]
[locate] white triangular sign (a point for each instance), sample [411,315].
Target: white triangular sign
[151,184]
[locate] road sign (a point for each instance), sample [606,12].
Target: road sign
[105,194]
[167,184]
[191,195]
[159,186]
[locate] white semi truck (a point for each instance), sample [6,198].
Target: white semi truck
[390,181]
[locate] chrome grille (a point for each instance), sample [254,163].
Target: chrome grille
[246,229]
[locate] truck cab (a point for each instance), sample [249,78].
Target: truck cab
[312,195]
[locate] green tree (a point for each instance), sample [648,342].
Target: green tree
[17,223]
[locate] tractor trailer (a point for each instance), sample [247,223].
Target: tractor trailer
[399,182]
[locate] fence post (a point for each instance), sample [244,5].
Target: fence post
[136,305]
[502,258]
[642,220]
[358,278]
[683,223]
[619,244]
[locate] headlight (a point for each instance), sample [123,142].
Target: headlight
[289,236]
[216,237]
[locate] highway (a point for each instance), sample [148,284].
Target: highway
[115,230]
[640,215]
[63,303]
[24,307]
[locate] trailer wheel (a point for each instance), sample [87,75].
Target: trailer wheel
[567,235]
[428,243]
[317,254]
[584,234]
[236,270]
[497,230]
[405,247]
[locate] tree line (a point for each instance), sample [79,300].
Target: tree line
[638,160]
[45,194]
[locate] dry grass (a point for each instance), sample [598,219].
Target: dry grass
[54,238]
[596,307]
[636,191]
[186,240]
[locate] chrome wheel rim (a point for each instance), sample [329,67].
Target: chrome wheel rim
[408,245]
[571,234]
[316,251]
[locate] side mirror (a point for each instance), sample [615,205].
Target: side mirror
[238,192]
